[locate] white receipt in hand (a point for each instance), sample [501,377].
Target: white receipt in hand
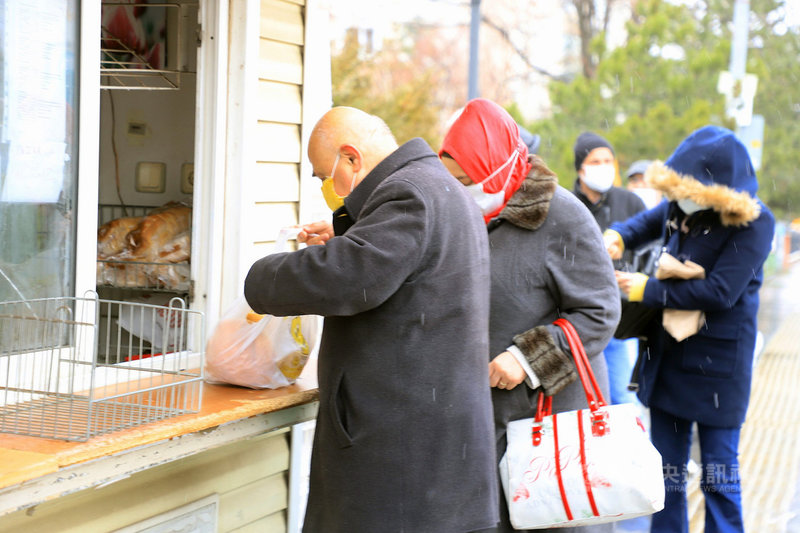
[286,234]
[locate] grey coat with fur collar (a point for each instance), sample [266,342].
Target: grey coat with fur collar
[548,261]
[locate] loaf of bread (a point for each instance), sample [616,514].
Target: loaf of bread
[111,235]
[146,252]
[155,231]
[177,250]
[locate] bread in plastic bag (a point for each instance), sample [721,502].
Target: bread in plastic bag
[259,351]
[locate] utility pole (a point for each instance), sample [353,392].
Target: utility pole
[474,27]
[739,87]
[738,62]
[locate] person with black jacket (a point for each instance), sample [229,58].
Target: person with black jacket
[595,164]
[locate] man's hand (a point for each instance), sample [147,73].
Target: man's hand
[505,372]
[315,233]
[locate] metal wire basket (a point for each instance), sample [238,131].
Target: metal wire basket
[70,370]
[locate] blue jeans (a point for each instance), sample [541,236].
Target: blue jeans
[719,454]
[620,357]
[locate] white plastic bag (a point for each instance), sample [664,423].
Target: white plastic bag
[159,326]
[259,351]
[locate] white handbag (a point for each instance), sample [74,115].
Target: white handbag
[582,467]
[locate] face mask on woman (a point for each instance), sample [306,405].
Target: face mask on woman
[489,202]
[690,206]
[599,178]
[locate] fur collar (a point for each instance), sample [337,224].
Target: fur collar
[735,208]
[529,205]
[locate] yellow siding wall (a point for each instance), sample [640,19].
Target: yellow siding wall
[250,478]
[279,112]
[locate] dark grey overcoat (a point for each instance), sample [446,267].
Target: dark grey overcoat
[404,439]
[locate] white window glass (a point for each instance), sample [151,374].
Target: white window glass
[38,147]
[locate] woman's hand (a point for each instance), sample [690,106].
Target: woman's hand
[315,233]
[631,284]
[505,372]
[613,242]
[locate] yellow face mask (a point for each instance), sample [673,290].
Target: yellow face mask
[333,200]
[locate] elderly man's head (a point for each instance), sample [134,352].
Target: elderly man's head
[345,145]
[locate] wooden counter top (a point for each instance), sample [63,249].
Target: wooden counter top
[25,458]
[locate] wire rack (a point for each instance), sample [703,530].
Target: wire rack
[122,67]
[69,370]
[169,277]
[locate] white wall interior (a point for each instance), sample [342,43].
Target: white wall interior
[152,126]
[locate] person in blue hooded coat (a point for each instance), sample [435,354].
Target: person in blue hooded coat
[713,219]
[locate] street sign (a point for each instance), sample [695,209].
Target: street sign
[739,94]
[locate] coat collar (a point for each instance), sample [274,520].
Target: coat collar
[593,207]
[735,208]
[528,207]
[413,150]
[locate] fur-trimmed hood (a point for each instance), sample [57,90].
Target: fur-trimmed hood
[712,168]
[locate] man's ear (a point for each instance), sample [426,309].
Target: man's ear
[353,155]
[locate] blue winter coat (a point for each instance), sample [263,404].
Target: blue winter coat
[706,377]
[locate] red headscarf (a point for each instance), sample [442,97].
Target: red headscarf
[482,140]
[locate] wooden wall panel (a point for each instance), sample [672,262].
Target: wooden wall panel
[268,524]
[279,61]
[277,143]
[284,21]
[271,218]
[276,182]
[279,102]
[161,489]
[253,502]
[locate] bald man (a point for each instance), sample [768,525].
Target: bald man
[404,436]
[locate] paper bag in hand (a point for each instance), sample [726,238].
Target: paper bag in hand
[680,323]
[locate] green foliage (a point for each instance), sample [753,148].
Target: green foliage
[778,100]
[646,96]
[661,85]
[384,85]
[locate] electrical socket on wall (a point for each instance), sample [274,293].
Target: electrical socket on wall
[187,178]
[151,176]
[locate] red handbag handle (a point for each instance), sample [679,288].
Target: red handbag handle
[594,397]
[593,394]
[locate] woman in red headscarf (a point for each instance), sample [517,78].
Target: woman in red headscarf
[548,261]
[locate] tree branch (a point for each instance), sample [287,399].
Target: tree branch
[521,53]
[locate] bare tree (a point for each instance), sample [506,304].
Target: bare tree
[588,28]
[504,34]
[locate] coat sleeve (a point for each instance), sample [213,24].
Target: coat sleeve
[740,259]
[643,227]
[585,293]
[353,272]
